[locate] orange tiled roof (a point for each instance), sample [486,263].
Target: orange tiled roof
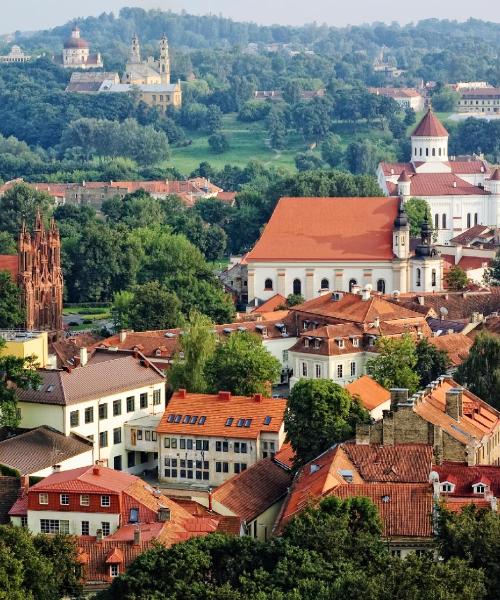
[217,408]
[270,305]
[439,184]
[10,263]
[455,344]
[371,393]
[459,167]
[464,477]
[430,126]
[285,455]
[325,229]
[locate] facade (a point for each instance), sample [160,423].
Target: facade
[315,245]
[95,398]
[88,82]
[76,53]
[460,194]
[24,344]
[482,100]
[16,55]
[405,97]
[206,439]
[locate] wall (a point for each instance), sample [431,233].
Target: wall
[34,415]
[82,460]
[75,520]
[22,348]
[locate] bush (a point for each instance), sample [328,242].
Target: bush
[218,143]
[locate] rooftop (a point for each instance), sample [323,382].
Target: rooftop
[458,167]
[430,126]
[370,393]
[439,184]
[456,345]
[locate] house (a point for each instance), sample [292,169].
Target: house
[204,439]
[16,55]
[395,478]
[460,194]
[88,82]
[94,399]
[23,344]
[314,245]
[255,495]
[38,451]
[460,426]
[456,345]
[115,517]
[483,100]
[405,97]
[371,394]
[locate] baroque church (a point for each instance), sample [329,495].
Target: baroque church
[460,193]
[37,271]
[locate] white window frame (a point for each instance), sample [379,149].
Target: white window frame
[318,370]
[64,497]
[305,369]
[105,526]
[114,570]
[353,369]
[43,498]
[340,371]
[105,501]
[84,500]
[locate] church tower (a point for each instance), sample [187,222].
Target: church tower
[164,61]
[135,51]
[429,141]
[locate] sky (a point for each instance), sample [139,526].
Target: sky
[41,14]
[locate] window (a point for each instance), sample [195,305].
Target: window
[297,287]
[468,220]
[114,570]
[434,152]
[103,411]
[143,400]
[443,220]
[222,467]
[130,404]
[436,221]
[353,369]
[105,501]
[285,356]
[89,414]
[182,444]
[325,284]
[156,397]
[147,435]
[64,499]
[341,343]
[268,285]
[306,342]
[43,498]
[475,218]
[103,439]
[117,408]
[381,286]
[239,467]
[317,370]
[352,284]
[117,463]
[248,422]
[144,457]
[174,443]
[117,435]
[202,420]
[340,371]
[84,500]
[222,447]
[267,420]
[419,278]
[166,442]
[85,528]
[106,530]
[54,526]
[130,459]
[447,487]
[74,418]
[433,275]
[355,342]
[229,421]
[304,369]
[479,488]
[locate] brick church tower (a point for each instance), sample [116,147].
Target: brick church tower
[40,276]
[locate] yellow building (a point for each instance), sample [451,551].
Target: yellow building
[24,344]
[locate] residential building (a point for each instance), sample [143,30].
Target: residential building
[114,516]
[456,345]
[37,452]
[460,194]
[314,245]
[405,97]
[16,55]
[96,398]
[371,394]
[395,478]
[277,95]
[460,426]
[159,96]
[23,344]
[479,100]
[205,439]
[88,82]
[76,53]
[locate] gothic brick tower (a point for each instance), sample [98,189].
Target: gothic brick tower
[40,276]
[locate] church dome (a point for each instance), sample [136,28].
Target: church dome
[430,126]
[75,41]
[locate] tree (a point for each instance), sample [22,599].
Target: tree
[431,362]
[456,279]
[319,414]
[492,275]
[394,366]
[307,161]
[218,143]
[11,313]
[361,157]
[295,299]
[214,118]
[197,345]
[444,99]
[21,203]
[332,151]
[121,309]
[7,243]
[480,372]
[418,212]
[152,307]
[242,365]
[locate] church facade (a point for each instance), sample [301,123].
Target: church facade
[460,194]
[76,53]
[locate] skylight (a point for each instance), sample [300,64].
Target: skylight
[248,422]
[178,418]
[50,388]
[267,420]
[240,423]
[193,420]
[170,418]
[186,419]
[202,420]
[229,421]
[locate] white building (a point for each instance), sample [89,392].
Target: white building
[95,400]
[460,194]
[405,97]
[314,245]
[76,53]
[16,55]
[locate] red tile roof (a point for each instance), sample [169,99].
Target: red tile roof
[89,478]
[326,229]
[271,305]
[459,167]
[285,456]
[439,184]
[371,393]
[468,236]
[455,344]
[10,263]
[217,408]
[430,126]
[464,477]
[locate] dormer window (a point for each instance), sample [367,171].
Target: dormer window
[479,488]
[317,344]
[447,487]
[355,342]
[306,342]
[341,343]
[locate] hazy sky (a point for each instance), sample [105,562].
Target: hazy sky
[40,14]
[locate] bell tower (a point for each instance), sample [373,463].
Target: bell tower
[164,61]
[135,50]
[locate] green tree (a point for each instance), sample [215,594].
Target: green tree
[444,99]
[214,118]
[242,365]
[21,203]
[218,143]
[332,151]
[7,243]
[395,364]
[152,307]
[492,275]
[418,212]
[11,313]
[456,279]
[197,345]
[121,309]
[295,299]
[480,372]
[319,414]
[431,362]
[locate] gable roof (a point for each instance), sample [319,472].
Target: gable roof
[371,393]
[468,236]
[271,305]
[464,477]
[439,184]
[459,167]
[430,126]
[90,478]
[456,345]
[327,229]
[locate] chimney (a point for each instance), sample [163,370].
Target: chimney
[137,536]
[56,468]
[399,397]
[257,397]
[365,294]
[25,483]
[454,404]
[157,492]
[123,336]
[363,434]
[99,535]
[355,289]
[470,453]
[182,393]
[96,470]
[225,396]
[376,322]
[210,500]
[84,356]
[163,514]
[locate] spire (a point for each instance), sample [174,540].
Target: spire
[402,218]
[404,178]
[38,221]
[430,126]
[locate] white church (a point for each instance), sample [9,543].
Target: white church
[460,194]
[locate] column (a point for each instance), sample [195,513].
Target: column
[310,292]
[338,284]
[251,285]
[281,287]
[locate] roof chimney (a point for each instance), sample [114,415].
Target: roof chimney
[84,356]
[98,535]
[123,336]
[226,396]
[96,470]
[454,404]
[182,393]
[137,536]
[257,397]
[399,397]
[56,468]
[365,294]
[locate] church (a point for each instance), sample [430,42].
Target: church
[312,246]
[76,53]
[37,271]
[460,194]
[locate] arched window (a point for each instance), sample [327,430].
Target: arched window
[433,277]
[268,284]
[381,286]
[352,283]
[325,284]
[415,152]
[434,152]
[436,221]
[297,287]
[419,278]
[420,151]
[468,220]
[427,152]
[439,151]
[443,220]
[475,218]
